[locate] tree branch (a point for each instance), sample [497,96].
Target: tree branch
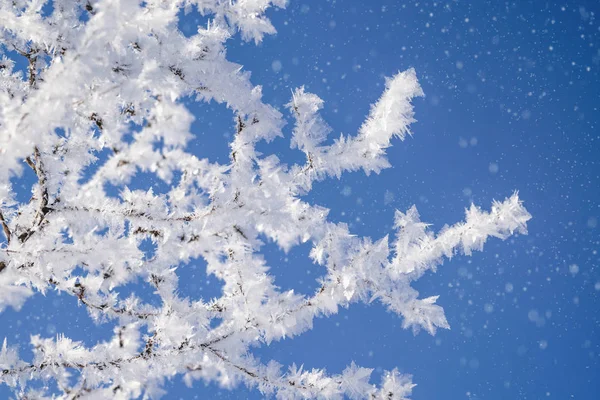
[43,209]
[5,228]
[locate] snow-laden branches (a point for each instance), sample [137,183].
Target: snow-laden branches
[91,95]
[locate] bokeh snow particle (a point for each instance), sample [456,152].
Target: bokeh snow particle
[276,66]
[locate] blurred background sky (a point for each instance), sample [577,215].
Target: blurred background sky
[512,103]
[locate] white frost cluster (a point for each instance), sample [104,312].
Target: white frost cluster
[109,77]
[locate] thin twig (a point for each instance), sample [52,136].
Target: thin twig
[43,209]
[5,228]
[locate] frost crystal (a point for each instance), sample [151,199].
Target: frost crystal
[100,102]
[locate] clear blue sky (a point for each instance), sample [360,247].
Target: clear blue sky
[512,98]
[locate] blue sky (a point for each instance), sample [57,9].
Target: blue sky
[512,97]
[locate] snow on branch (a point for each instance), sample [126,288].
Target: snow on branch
[390,117]
[102,101]
[417,249]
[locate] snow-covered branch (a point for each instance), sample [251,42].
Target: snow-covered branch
[100,101]
[390,117]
